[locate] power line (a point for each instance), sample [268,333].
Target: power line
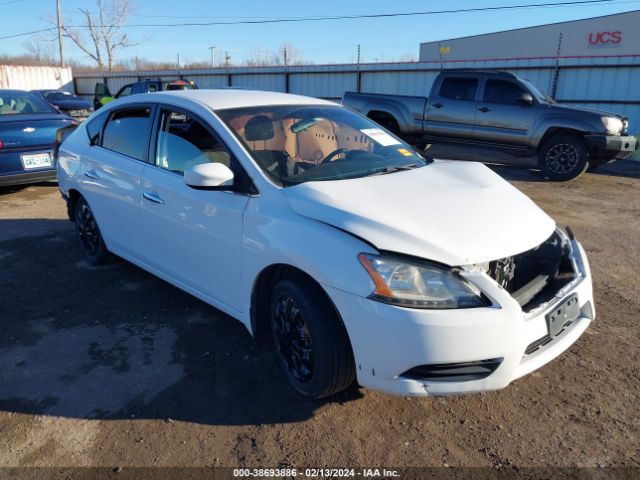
[29,33]
[269,19]
[371,15]
[334,17]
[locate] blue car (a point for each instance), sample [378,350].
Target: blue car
[28,126]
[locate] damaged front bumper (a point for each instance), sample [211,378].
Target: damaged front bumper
[412,352]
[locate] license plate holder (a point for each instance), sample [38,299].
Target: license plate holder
[564,313]
[36,160]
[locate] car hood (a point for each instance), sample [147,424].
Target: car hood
[456,213]
[595,112]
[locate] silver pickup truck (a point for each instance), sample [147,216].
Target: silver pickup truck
[497,117]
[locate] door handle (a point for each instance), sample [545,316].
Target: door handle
[152,197]
[438,105]
[91,174]
[484,109]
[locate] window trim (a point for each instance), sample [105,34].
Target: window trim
[460,77]
[236,166]
[86,128]
[486,83]
[130,106]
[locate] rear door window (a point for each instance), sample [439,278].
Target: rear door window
[94,128]
[128,131]
[499,91]
[459,88]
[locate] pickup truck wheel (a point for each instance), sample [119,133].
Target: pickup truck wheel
[309,338]
[563,158]
[93,247]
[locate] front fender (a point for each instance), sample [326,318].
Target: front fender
[561,121]
[328,255]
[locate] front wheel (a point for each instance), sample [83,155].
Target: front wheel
[310,340]
[93,246]
[563,158]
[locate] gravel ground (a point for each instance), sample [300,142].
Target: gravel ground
[112,367]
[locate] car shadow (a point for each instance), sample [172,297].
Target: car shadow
[620,168]
[115,342]
[8,189]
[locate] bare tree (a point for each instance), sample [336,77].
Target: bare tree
[287,54]
[259,57]
[103,35]
[41,50]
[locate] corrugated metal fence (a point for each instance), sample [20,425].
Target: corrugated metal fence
[35,77]
[602,82]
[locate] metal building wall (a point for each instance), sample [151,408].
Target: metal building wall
[616,34]
[610,83]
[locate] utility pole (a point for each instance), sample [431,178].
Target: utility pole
[285,56]
[358,73]
[213,57]
[226,59]
[59,14]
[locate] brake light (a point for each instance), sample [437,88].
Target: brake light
[1,144]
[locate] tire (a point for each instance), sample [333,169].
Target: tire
[93,246]
[563,158]
[309,339]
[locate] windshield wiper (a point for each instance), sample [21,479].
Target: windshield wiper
[395,168]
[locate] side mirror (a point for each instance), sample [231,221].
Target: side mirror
[526,98]
[209,176]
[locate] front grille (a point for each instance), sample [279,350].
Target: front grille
[533,277]
[454,372]
[535,346]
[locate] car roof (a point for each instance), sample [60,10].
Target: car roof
[230,98]
[11,91]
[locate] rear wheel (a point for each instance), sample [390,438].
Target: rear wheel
[93,246]
[563,158]
[309,339]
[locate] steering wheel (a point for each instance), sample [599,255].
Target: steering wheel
[335,153]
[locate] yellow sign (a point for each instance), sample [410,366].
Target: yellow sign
[445,49]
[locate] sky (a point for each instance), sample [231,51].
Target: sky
[334,41]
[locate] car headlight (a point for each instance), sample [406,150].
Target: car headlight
[612,125]
[419,285]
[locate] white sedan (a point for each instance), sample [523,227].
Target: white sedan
[309,223]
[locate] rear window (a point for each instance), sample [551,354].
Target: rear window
[12,103]
[128,131]
[58,96]
[459,88]
[180,86]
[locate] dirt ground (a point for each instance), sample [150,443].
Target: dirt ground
[112,367]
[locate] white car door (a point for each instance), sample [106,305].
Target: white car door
[112,167]
[192,236]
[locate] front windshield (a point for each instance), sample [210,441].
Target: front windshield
[535,91]
[15,102]
[301,143]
